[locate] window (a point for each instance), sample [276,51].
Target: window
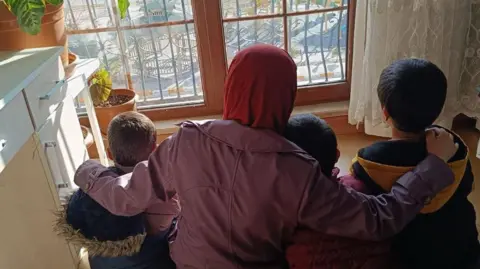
[175,53]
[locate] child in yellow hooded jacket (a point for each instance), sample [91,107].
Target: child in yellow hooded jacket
[412,93]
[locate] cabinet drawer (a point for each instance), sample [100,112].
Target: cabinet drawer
[62,141]
[15,128]
[46,92]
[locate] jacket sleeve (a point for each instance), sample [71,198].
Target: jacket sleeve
[329,207]
[132,193]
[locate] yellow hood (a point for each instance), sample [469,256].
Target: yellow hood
[386,175]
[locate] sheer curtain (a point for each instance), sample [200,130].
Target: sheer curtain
[470,76]
[386,30]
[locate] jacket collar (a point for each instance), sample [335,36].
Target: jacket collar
[125,169]
[404,153]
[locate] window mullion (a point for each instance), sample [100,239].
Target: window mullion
[285,26]
[122,45]
[211,50]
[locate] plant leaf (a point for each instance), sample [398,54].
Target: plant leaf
[55,2]
[101,85]
[123,7]
[29,14]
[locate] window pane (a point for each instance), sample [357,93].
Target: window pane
[92,14]
[318,44]
[164,65]
[88,14]
[303,5]
[143,12]
[243,8]
[162,61]
[158,78]
[103,46]
[242,34]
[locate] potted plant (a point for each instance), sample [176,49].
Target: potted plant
[109,102]
[87,137]
[37,23]
[72,64]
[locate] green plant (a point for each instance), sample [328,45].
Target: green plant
[29,13]
[100,86]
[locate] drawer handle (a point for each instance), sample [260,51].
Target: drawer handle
[3,144]
[58,84]
[63,186]
[53,144]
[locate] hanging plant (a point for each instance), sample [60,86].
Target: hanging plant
[29,13]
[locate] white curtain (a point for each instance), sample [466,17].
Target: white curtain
[386,30]
[470,76]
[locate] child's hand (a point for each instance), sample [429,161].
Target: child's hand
[335,172]
[440,143]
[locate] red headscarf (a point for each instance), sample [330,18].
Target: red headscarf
[260,88]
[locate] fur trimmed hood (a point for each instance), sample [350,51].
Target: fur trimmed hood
[126,247]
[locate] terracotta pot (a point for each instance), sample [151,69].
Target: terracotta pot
[52,32]
[87,136]
[72,64]
[88,141]
[92,151]
[106,114]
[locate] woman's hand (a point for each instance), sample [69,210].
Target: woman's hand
[441,144]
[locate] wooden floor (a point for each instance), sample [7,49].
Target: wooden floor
[349,145]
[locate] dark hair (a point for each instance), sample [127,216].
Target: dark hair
[131,138]
[413,91]
[315,136]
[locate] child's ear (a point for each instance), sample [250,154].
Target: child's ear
[338,154]
[386,116]
[154,146]
[109,154]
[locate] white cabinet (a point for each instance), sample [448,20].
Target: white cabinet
[15,128]
[62,142]
[46,92]
[41,146]
[26,206]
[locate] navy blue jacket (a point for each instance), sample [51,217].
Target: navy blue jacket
[112,242]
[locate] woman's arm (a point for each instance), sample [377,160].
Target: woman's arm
[329,207]
[132,193]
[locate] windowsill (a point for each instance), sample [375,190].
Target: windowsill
[335,113]
[324,110]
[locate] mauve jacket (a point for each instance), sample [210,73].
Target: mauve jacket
[244,191]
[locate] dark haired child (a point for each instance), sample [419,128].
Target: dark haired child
[137,241]
[412,93]
[316,250]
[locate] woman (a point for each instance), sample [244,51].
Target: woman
[244,188]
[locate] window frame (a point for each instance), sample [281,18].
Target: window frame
[213,61]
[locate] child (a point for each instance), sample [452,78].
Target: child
[316,250]
[412,93]
[139,241]
[315,136]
